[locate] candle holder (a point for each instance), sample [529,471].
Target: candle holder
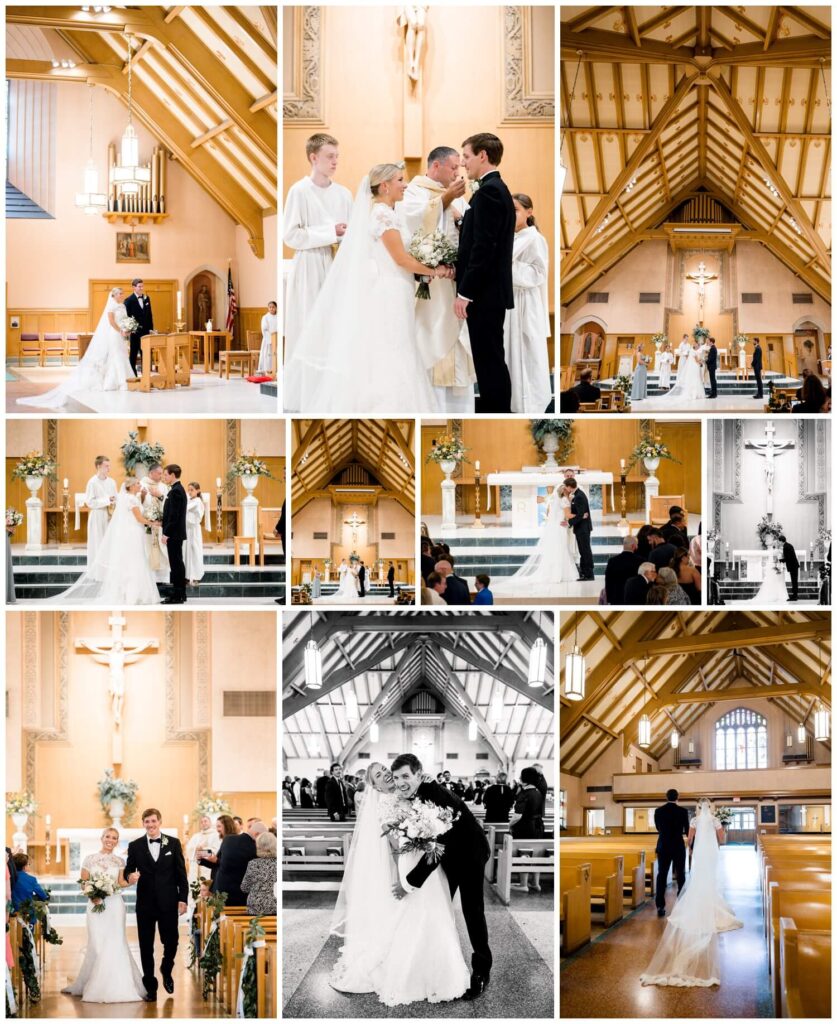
[48,838]
[624,525]
[219,516]
[65,512]
[180,326]
[478,524]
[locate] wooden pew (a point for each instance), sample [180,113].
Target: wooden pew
[621,844]
[634,868]
[522,855]
[608,875]
[233,954]
[809,909]
[576,928]
[804,971]
[267,978]
[307,855]
[810,877]
[495,832]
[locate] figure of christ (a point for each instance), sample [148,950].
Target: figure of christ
[769,449]
[701,278]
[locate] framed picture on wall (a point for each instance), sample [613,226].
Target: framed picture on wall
[133,247]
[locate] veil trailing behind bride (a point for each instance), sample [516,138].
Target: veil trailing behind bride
[104,366]
[687,955]
[120,573]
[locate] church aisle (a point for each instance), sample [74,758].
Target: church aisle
[522,982]
[64,962]
[602,980]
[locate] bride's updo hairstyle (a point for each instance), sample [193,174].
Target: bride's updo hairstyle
[704,805]
[110,829]
[116,291]
[381,173]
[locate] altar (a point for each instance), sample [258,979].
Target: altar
[524,492]
[753,562]
[84,841]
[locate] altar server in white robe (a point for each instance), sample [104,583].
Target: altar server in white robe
[527,325]
[432,201]
[197,513]
[270,325]
[205,839]
[99,497]
[684,351]
[153,494]
[317,211]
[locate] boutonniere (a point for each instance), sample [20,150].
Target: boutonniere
[475,187]
[165,841]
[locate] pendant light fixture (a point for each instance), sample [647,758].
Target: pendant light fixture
[472,730]
[91,200]
[675,739]
[822,717]
[128,175]
[313,662]
[575,671]
[374,732]
[800,733]
[645,732]
[537,663]
[352,712]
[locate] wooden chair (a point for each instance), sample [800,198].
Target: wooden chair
[30,345]
[246,359]
[53,346]
[251,543]
[71,347]
[268,517]
[661,503]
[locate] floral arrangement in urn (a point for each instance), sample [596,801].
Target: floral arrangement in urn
[140,453]
[34,464]
[113,789]
[659,340]
[768,528]
[724,815]
[740,340]
[448,448]
[21,803]
[624,384]
[650,448]
[249,465]
[212,803]
[700,334]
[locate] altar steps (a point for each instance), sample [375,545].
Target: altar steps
[728,385]
[45,575]
[67,899]
[746,590]
[502,556]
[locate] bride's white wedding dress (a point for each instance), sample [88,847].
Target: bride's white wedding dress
[120,573]
[104,366]
[689,386]
[773,589]
[348,592]
[109,973]
[687,955]
[553,559]
[406,950]
[358,354]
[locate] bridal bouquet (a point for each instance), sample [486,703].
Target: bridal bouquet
[13,518]
[154,513]
[128,325]
[420,826]
[433,250]
[99,886]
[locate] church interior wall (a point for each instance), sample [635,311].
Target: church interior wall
[256,279]
[394,518]
[314,518]
[15,625]
[776,313]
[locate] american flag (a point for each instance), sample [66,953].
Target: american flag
[232,305]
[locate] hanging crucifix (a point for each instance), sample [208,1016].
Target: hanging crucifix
[354,521]
[769,450]
[701,278]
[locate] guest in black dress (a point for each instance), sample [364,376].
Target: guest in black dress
[224,826]
[527,821]
[306,793]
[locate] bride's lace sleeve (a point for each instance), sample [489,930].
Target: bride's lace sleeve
[89,862]
[133,501]
[383,219]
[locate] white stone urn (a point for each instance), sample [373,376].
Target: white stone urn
[249,482]
[448,495]
[327,574]
[19,838]
[116,809]
[652,465]
[742,345]
[34,484]
[447,466]
[140,470]
[549,446]
[652,483]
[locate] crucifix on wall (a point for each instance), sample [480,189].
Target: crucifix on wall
[355,522]
[701,278]
[769,449]
[116,652]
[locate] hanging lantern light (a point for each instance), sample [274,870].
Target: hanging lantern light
[374,732]
[645,732]
[822,725]
[91,200]
[800,733]
[496,707]
[537,663]
[313,662]
[691,746]
[575,671]
[352,713]
[675,739]
[128,175]
[472,730]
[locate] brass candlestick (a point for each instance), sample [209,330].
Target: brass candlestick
[48,837]
[478,523]
[218,515]
[623,522]
[65,510]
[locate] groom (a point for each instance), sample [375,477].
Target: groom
[155,862]
[173,534]
[484,269]
[464,858]
[672,822]
[138,306]
[582,527]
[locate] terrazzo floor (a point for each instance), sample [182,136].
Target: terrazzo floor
[522,979]
[602,979]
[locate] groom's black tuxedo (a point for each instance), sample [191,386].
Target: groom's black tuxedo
[582,527]
[466,852]
[162,885]
[484,275]
[672,823]
[711,368]
[145,318]
[792,565]
[174,530]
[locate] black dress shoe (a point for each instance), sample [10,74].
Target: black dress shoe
[661,911]
[150,997]
[168,983]
[479,984]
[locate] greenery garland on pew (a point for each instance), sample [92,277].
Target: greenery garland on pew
[249,988]
[211,959]
[194,924]
[26,961]
[34,910]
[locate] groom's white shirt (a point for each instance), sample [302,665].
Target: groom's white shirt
[154,848]
[97,497]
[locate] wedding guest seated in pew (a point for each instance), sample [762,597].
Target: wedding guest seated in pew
[259,880]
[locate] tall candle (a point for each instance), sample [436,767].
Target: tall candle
[622,465]
[179,309]
[185,820]
[48,819]
[477,465]
[218,482]
[66,483]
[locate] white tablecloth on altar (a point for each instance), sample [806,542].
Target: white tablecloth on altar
[525,484]
[755,560]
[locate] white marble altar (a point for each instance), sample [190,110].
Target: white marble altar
[754,560]
[525,483]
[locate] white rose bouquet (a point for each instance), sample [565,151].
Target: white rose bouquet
[99,886]
[128,324]
[420,826]
[433,250]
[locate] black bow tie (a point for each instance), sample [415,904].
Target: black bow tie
[156,840]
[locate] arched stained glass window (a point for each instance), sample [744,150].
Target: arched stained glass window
[740,740]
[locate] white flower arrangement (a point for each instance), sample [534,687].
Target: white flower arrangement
[21,803]
[99,886]
[212,803]
[13,518]
[249,465]
[740,340]
[420,826]
[128,324]
[433,250]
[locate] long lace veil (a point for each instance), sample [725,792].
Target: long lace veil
[324,360]
[79,379]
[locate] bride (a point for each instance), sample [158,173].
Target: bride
[357,353]
[348,592]
[109,973]
[120,573]
[773,589]
[104,366]
[689,386]
[687,955]
[554,558]
[405,950]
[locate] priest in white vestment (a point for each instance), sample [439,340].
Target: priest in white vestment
[432,201]
[153,494]
[270,325]
[316,213]
[99,497]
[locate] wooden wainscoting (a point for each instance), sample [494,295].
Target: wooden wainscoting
[162,292]
[42,321]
